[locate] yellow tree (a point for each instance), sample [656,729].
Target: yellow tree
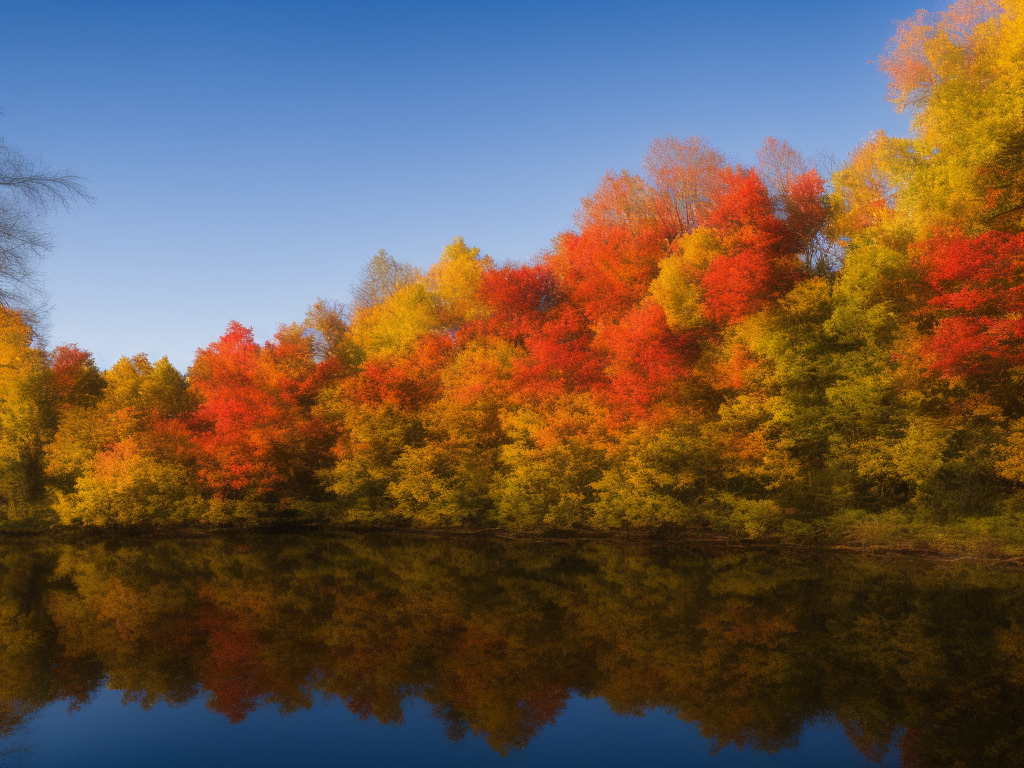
[25,415]
[960,72]
[124,459]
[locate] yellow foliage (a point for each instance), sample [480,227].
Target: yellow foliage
[443,300]
[126,486]
[868,190]
[961,71]
[551,464]
[442,483]
[676,288]
[655,477]
[393,326]
[476,386]
[25,417]
[456,280]
[919,455]
[372,440]
[110,464]
[1011,454]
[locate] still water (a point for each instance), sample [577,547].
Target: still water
[370,650]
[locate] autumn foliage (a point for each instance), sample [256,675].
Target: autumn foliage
[253,428]
[746,350]
[979,303]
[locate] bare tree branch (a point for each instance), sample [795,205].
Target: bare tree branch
[379,279]
[29,191]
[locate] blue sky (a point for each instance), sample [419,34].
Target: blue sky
[247,158]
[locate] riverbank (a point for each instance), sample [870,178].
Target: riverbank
[998,539]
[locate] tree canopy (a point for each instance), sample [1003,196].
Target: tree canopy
[767,351]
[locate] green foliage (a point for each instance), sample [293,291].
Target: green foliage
[373,438]
[550,465]
[656,478]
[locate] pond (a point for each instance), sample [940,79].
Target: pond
[387,650]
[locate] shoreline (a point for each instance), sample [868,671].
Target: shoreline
[906,549]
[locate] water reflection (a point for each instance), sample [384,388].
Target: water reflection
[495,638]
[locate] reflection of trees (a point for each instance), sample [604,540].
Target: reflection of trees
[496,637]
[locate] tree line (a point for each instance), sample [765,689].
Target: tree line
[749,351]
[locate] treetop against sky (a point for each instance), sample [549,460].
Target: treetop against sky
[248,157]
[750,350]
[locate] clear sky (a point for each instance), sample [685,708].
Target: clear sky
[248,157]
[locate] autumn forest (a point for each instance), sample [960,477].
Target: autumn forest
[775,352]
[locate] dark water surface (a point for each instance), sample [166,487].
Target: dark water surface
[362,650]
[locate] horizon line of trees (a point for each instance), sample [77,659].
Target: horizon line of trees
[755,350]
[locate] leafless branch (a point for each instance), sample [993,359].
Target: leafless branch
[29,190]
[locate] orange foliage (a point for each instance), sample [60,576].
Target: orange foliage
[561,357]
[911,70]
[231,669]
[686,181]
[255,430]
[645,359]
[518,298]
[607,266]
[758,264]
[76,380]
[408,382]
